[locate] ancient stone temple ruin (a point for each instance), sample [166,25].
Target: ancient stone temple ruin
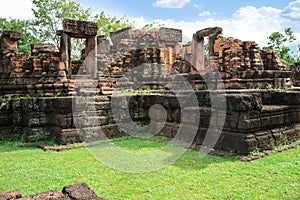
[262,104]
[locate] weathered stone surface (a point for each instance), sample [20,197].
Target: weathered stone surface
[50,195]
[80,191]
[9,41]
[37,48]
[80,29]
[11,195]
[209,31]
[117,36]
[170,35]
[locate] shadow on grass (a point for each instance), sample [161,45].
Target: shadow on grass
[7,146]
[190,159]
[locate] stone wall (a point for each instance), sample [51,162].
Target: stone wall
[255,119]
[35,119]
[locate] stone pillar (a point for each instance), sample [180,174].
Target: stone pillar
[212,34]
[9,42]
[198,52]
[9,47]
[65,51]
[91,56]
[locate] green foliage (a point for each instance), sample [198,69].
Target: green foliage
[49,15]
[278,41]
[107,24]
[255,152]
[27,29]
[152,26]
[269,87]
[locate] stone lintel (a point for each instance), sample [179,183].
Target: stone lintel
[209,31]
[12,34]
[170,35]
[80,29]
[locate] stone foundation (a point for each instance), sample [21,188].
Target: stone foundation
[255,119]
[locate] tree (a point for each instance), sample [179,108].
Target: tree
[107,24]
[279,41]
[26,28]
[152,26]
[49,15]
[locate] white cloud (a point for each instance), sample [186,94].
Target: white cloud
[170,3]
[198,6]
[20,9]
[247,23]
[293,10]
[205,14]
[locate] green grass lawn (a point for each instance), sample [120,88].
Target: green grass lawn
[32,170]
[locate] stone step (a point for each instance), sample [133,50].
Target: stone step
[107,90]
[83,106]
[92,121]
[80,76]
[87,134]
[100,113]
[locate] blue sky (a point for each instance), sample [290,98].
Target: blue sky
[243,19]
[190,10]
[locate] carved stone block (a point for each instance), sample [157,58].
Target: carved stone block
[170,35]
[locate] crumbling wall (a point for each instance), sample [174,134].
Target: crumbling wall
[237,55]
[31,75]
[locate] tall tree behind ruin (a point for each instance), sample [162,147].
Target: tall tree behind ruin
[50,13]
[280,42]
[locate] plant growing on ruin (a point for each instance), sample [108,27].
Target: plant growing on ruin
[107,23]
[152,26]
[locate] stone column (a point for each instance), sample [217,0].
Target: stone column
[91,56]
[9,47]
[198,52]
[65,51]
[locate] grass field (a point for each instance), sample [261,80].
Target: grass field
[32,170]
